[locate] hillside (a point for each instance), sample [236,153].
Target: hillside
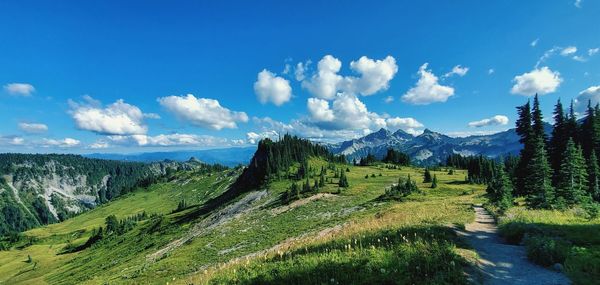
[38,189]
[182,230]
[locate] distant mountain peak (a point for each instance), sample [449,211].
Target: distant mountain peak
[430,147]
[382,134]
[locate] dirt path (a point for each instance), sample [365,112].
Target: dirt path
[501,263]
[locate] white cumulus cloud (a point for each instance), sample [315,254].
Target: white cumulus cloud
[33,128]
[118,118]
[590,95]
[493,121]
[540,80]
[271,88]
[325,83]
[319,109]
[427,90]
[19,89]
[409,125]
[202,112]
[253,137]
[346,112]
[374,76]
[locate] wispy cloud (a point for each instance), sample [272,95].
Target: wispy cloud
[534,42]
[19,89]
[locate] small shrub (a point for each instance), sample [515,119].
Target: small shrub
[592,210]
[583,265]
[546,251]
[513,232]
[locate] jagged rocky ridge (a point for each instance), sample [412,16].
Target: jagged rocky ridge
[430,147]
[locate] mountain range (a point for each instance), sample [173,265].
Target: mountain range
[430,147]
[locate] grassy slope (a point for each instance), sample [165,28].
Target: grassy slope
[158,198]
[123,259]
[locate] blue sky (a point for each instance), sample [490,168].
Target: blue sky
[114,76]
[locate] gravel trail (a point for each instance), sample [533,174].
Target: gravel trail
[501,263]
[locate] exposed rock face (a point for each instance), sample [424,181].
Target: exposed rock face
[41,189]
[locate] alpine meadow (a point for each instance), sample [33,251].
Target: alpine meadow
[315,142]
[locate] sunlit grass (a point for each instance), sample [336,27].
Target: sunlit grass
[260,233]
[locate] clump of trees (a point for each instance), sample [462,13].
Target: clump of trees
[557,172]
[368,160]
[405,187]
[273,159]
[396,157]
[112,227]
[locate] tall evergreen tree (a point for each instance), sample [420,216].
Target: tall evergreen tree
[571,124]
[538,176]
[343,180]
[559,139]
[572,178]
[593,177]
[589,134]
[525,131]
[537,120]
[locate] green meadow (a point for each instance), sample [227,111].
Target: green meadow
[325,235]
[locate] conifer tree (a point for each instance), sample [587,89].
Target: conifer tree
[537,120]
[571,124]
[593,177]
[538,176]
[558,141]
[434,182]
[572,177]
[525,130]
[343,180]
[499,190]
[427,176]
[589,134]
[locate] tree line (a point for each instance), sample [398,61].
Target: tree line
[551,172]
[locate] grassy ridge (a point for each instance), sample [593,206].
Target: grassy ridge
[326,218]
[50,240]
